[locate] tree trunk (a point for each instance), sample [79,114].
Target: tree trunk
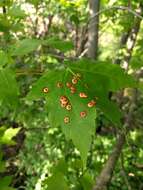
[93,31]
[105,176]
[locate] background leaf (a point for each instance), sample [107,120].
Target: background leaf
[24,47]
[61,45]
[8,88]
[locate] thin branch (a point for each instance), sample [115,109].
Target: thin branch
[120,8]
[28,72]
[35,128]
[106,173]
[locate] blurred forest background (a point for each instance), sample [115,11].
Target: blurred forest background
[89,52]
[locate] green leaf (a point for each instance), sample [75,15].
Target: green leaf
[57,181]
[34,2]
[102,78]
[5,3]
[87,181]
[2,166]
[110,110]
[3,58]
[5,25]
[8,135]
[24,47]
[2,163]
[116,76]
[74,18]
[16,12]
[5,182]
[61,45]
[8,88]
[77,126]
[140,85]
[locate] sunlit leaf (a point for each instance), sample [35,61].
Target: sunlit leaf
[8,135]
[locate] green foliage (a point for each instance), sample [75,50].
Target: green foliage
[61,45]
[104,78]
[24,47]
[3,58]
[87,181]
[2,163]
[8,88]
[34,2]
[113,75]
[58,178]
[113,79]
[27,35]
[77,126]
[16,12]
[5,182]
[8,135]
[6,2]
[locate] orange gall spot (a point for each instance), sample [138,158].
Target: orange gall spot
[68,84]
[74,81]
[59,85]
[73,89]
[91,104]
[45,90]
[68,107]
[64,101]
[63,98]
[66,120]
[63,105]
[82,95]
[83,114]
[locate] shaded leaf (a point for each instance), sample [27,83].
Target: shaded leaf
[8,88]
[5,182]
[16,12]
[24,47]
[61,45]
[58,179]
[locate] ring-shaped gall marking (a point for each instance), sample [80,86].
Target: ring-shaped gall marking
[68,107]
[68,84]
[82,95]
[59,85]
[63,98]
[73,89]
[66,120]
[63,105]
[45,90]
[91,104]
[74,81]
[83,114]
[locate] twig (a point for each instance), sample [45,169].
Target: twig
[28,72]
[120,8]
[35,128]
